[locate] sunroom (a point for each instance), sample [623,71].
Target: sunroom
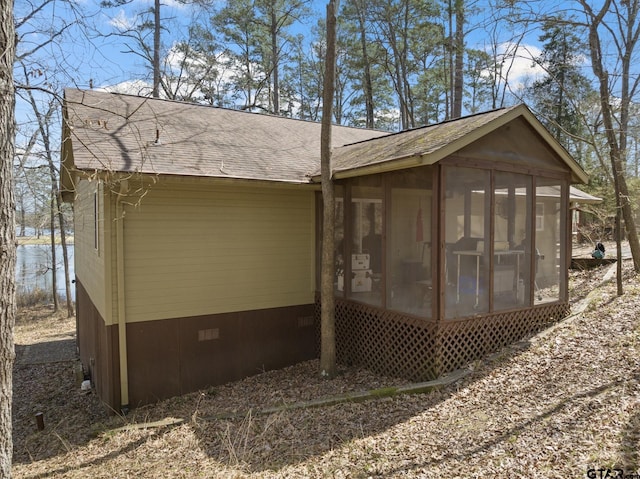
[451,241]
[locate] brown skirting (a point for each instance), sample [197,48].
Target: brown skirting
[180,355]
[98,346]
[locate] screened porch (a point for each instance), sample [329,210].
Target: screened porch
[492,241]
[440,264]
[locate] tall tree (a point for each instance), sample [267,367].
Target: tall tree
[327,327]
[305,77]
[156,50]
[393,22]
[21,181]
[56,203]
[243,42]
[257,34]
[356,11]
[151,23]
[457,47]
[37,70]
[194,69]
[558,96]
[7,233]
[361,56]
[478,83]
[137,33]
[621,17]
[344,89]
[503,34]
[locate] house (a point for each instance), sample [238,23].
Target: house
[197,241]
[582,219]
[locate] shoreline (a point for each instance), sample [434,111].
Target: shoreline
[42,240]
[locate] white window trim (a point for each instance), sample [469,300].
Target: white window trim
[539,216]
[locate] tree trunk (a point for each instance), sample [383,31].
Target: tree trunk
[54,260]
[7,233]
[57,198]
[276,61]
[65,255]
[56,203]
[622,194]
[23,219]
[367,83]
[615,151]
[404,63]
[156,49]
[458,46]
[618,249]
[327,326]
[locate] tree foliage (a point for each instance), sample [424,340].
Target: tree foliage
[562,96]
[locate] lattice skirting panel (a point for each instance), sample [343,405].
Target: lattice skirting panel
[418,350]
[384,341]
[463,341]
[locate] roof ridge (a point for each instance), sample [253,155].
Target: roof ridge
[443,122]
[234,110]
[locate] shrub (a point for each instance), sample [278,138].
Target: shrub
[33,297]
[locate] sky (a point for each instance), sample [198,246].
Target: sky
[103,58]
[96,57]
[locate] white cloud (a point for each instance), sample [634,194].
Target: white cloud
[175,4]
[122,22]
[165,3]
[517,64]
[130,87]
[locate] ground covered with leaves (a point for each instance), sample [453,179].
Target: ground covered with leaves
[567,402]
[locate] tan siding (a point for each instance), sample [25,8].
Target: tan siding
[206,250]
[89,261]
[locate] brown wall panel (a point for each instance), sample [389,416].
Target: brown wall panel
[176,356]
[153,355]
[98,347]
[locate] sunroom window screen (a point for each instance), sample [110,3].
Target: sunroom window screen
[409,250]
[466,214]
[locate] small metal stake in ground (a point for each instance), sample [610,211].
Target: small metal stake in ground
[40,421]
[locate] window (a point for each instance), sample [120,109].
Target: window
[539,216]
[512,241]
[548,252]
[366,254]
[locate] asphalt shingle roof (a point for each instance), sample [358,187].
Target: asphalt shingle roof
[116,132]
[417,142]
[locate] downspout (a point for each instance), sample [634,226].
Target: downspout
[122,323]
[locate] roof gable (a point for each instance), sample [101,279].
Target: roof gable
[515,142]
[430,144]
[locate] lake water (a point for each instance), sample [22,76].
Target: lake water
[34,269]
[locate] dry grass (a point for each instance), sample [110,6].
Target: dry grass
[569,402]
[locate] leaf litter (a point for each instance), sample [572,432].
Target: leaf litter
[567,403]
